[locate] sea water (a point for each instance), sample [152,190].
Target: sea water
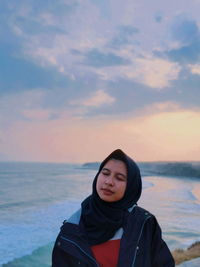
[35,198]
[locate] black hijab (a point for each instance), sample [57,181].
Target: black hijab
[100,219]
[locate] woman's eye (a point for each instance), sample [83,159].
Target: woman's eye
[119,178]
[105,173]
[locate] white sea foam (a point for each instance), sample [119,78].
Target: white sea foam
[22,235]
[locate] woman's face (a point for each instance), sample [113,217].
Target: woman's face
[112,181]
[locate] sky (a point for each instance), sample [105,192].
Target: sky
[80,78]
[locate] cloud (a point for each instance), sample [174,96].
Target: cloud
[195,69]
[157,107]
[76,41]
[12,106]
[33,26]
[98,59]
[37,114]
[151,71]
[124,36]
[186,33]
[104,7]
[155,72]
[97,99]
[19,74]
[49,34]
[69,67]
[185,54]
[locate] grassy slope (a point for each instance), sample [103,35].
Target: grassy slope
[192,252]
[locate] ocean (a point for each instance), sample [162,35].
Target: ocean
[35,198]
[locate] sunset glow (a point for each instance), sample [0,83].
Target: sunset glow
[81,78]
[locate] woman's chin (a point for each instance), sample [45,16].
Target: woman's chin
[107,197]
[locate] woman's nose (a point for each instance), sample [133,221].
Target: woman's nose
[109,180]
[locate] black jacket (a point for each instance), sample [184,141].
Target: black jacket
[141,244]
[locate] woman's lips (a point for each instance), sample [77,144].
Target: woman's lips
[107,192]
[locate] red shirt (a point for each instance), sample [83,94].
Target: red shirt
[107,253]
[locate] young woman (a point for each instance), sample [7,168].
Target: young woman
[110,230]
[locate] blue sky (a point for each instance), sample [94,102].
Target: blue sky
[80,78]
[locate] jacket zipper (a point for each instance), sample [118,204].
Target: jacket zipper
[136,250]
[90,257]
